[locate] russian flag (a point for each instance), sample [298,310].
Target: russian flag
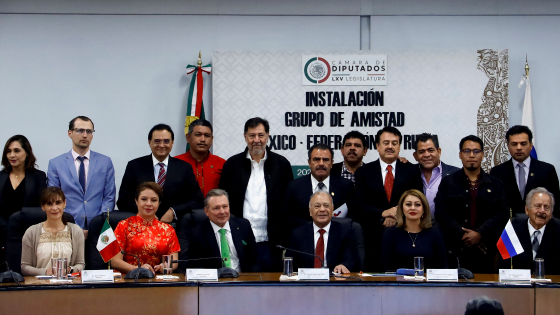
[509,244]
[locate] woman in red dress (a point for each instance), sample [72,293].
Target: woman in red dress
[144,235]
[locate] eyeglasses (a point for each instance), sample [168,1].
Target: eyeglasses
[253,136]
[160,141]
[81,131]
[469,151]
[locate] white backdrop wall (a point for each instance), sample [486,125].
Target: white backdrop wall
[122,62]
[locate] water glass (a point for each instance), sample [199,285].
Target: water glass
[288,266]
[539,268]
[419,266]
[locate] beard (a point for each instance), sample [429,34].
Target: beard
[257,150]
[471,167]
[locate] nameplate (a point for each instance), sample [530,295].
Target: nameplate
[202,274]
[442,275]
[515,275]
[89,276]
[313,274]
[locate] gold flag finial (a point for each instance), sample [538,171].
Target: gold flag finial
[526,66]
[199,62]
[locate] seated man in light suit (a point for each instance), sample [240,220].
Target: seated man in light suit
[206,239]
[87,178]
[539,235]
[296,203]
[181,192]
[331,240]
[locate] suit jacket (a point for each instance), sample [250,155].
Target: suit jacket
[35,183]
[100,185]
[202,243]
[541,174]
[336,170]
[549,249]
[181,191]
[448,169]
[277,175]
[341,246]
[296,203]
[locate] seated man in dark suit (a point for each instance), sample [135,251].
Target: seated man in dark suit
[296,203]
[534,173]
[379,186]
[539,235]
[471,209]
[354,148]
[181,192]
[332,241]
[220,236]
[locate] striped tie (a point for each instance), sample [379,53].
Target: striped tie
[162,175]
[535,243]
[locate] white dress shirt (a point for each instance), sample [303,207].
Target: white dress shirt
[316,236]
[157,167]
[384,169]
[232,251]
[539,237]
[255,208]
[77,162]
[315,184]
[526,164]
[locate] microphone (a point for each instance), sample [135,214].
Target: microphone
[139,273]
[462,272]
[297,251]
[9,275]
[223,272]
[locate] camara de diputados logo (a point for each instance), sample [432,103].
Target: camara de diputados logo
[344,70]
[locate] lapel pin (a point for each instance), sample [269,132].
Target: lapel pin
[244,243]
[489,190]
[238,228]
[332,193]
[532,174]
[211,166]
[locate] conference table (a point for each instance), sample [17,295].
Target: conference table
[264,293]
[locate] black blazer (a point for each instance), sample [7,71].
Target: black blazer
[336,170]
[181,191]
[341,246]
[277,175]
[203,244]
[296,203]
[549,249]
[35,183]
[541,174]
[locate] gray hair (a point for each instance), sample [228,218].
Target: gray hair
[538,190]
[318,192]
[215,193]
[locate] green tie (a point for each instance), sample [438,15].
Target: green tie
[225,248]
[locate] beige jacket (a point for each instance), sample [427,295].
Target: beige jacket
[30,243]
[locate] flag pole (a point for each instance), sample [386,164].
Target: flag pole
[108,213]
[510,216]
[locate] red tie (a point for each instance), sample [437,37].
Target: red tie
[320,250]
[162,175]
[389,180]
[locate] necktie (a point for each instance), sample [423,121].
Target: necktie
[535,243]
[389,180]
[521,180]
[82,173]
[224,248]
[319,250]
[162,175]
[322,187]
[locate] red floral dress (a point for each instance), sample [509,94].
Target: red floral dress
[149,240]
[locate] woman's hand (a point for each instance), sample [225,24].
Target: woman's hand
[146,266]
[49,272]
[159,268]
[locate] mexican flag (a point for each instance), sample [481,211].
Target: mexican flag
[107,244]
[195,107]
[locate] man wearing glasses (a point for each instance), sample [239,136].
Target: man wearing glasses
[471,208]
[87,178]
[181,192]
[256,181]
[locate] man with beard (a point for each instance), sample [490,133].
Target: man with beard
[296,204]
[353,150]
[539,234]
[471,208]
[256,181]
[207,167]
[379,186]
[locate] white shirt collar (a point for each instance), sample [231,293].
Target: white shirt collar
[156,161]
[384,165]
[326,228]
[216,228]
[76,155]
[527,162]
[315,182]
[532,230]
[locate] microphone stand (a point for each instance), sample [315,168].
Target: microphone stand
[10,276]
[297,251]
[462,272]
[138,273]
[223,272]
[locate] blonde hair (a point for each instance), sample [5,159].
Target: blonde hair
[426,219]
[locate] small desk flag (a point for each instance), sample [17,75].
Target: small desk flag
[509,244]
[107,244]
